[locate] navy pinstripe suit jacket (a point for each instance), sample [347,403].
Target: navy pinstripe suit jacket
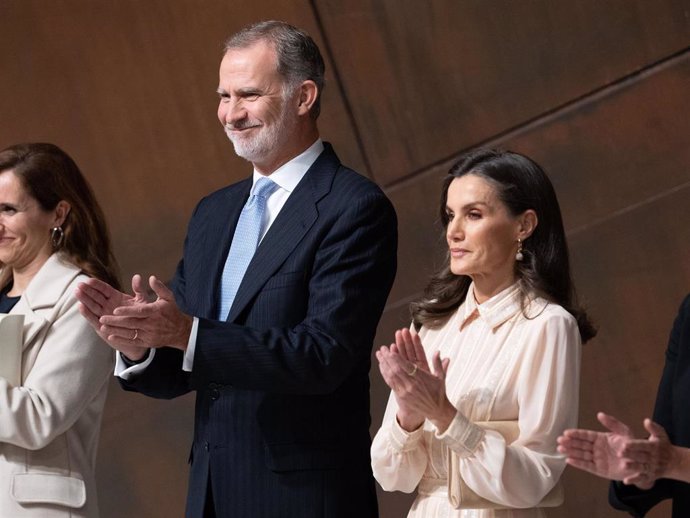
[671,411]
[282,389]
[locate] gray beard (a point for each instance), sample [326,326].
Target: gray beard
[268,138]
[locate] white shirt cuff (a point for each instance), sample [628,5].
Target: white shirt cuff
[188,361]
[124,372]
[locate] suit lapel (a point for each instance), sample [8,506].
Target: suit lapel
[295,219]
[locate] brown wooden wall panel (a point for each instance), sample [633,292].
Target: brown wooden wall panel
[620,149]
[427,79]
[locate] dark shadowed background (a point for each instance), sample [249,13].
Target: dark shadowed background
[597,92]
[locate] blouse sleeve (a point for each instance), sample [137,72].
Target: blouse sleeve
[521,473]
[398,457]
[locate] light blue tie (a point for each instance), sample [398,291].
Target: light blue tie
[244,243]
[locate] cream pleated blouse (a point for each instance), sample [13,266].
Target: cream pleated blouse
[505,365]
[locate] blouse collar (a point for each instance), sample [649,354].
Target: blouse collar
[495,311]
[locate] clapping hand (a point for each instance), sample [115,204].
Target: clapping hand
[98,299]
[617,454]
[133,324]
[419,388]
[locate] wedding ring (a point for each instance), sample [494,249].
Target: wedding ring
[136,333]
[413,371]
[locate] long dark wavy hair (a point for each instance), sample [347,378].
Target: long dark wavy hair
[49,175]
[521,184]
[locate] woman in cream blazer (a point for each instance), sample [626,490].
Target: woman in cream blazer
[52,236]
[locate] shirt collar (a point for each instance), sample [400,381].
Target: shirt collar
[288,175]
[495,311]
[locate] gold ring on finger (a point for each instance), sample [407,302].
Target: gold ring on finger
[412,372]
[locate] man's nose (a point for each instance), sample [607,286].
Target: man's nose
[235,112]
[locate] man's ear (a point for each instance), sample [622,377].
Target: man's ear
[308,93]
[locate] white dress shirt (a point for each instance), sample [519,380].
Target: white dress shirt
[286,177]
[504,366]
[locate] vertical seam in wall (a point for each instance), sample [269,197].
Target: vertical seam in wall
[341,89]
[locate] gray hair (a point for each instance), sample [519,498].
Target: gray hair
[298,56]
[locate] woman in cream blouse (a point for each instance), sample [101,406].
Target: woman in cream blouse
[483,388]
[52,236]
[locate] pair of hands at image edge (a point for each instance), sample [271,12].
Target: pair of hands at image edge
[134,323]
[419,388]
[618,455]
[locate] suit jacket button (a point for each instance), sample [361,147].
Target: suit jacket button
[206,446]
[214,393]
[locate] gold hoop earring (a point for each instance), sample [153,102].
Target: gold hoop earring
[57,236]
[519,256]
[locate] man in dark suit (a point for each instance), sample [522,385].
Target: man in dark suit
[278,354]
[646,471]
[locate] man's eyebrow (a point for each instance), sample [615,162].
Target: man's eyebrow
[249,90]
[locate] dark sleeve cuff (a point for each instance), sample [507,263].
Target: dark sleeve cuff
[636,501]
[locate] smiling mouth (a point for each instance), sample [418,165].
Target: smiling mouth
[239,129]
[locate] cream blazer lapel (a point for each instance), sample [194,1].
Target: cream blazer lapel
[38,303]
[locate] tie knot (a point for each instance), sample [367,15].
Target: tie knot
[264,187]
